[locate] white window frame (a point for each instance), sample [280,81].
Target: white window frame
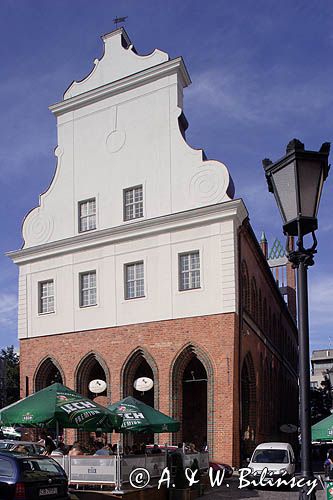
[41,298]
[90,216]
[139,291]
[89,289]
[137,206]
[190,272]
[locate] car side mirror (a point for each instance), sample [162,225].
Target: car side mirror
[248,460]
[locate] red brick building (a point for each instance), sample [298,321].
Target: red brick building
[139,262]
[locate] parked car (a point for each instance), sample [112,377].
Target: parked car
[9,433]
[278,458]
[214,464]
[31,477]
[29,446]
[217,465]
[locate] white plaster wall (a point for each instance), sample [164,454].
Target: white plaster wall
[115,141]
[162,298]
[116,129]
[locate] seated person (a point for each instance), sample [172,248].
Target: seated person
[156,450]
[100,449]
[76,450]
[60,450]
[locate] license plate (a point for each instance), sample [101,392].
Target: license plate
[48,491]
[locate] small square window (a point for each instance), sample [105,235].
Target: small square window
[88,290]
[46,297]
[134,280]
[133,203]
[189,270]
[87,215]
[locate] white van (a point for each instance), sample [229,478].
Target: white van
[278,458]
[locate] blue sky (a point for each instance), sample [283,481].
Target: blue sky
[262,74]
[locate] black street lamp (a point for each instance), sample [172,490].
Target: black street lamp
[296,180]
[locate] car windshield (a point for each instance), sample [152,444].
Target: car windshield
[31,466]
[270,457]
[5,446]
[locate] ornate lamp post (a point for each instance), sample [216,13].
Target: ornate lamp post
[296,180]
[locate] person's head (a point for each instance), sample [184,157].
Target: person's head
[98,445]
[21,449]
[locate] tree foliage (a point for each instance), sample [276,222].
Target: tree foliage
[12,374]
[321,401]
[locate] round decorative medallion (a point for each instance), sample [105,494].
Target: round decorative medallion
[39,228]
[115,140]
[209,184]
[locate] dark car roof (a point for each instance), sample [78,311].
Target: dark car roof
[17,441]
[21,456]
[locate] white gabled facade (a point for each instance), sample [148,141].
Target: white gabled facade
[120,128]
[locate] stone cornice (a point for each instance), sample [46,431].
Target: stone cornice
[234,209]
[124,85]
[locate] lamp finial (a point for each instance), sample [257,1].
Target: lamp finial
[295,145]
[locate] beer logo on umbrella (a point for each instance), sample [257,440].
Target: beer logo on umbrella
[62,397]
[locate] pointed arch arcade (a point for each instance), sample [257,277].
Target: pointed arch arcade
[248,407]
[92,366]
[47,373]
[140,364]
[192,363]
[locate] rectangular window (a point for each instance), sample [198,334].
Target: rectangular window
[46,297]
[87,215]
[134,280]
[189,270]
[88,296]
[133,203]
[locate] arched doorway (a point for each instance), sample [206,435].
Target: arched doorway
[47,374]
[92,367]
[195,403]
[140,364]
[248,407]
[192,397]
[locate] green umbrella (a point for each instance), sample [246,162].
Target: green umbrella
[139,417]
[323,430]
[58,405]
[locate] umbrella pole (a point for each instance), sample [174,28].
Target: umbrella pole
[57,432]
[118,490]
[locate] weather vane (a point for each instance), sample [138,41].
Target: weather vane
[118,20]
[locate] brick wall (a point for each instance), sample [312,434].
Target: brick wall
[213,339]
[269,336]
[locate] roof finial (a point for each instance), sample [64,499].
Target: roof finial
[118,20]
[263,238]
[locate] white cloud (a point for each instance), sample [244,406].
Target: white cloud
[8,309]
[247,94]
[321,311]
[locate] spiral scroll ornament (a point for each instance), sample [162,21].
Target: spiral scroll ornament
[209,184]
[38,229]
